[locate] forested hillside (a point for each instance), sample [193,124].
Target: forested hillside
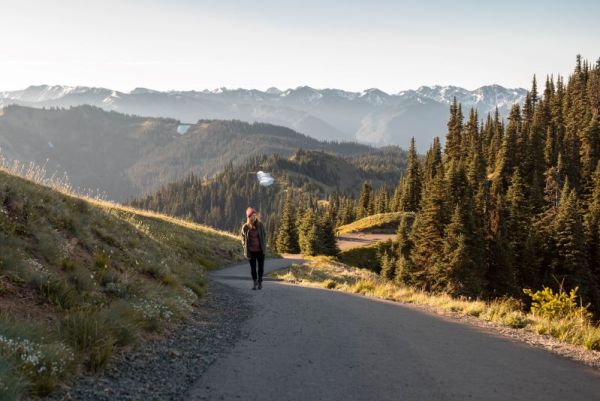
[308,175]
[122,155]
[506,206]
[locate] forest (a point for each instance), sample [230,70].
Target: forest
[500,207]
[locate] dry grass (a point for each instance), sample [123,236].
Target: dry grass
[326,272]
[388,221]
[91,275]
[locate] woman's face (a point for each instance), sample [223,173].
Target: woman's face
[253,217]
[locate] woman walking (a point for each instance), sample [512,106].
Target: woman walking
[254,240]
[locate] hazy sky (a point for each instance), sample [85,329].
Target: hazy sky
[348,44]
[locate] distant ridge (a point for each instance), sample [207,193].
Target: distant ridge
[371,116]
[126,155]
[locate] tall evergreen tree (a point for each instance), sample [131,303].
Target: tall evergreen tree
[326,243]
[459,274]
[308,232]
[287,235]
[571,262]
[453,149]
[518,237]
[365,202]
[433,161]
[428,232]
[411,193]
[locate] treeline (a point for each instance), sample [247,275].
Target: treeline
[507,206]
[309,175]
[503,206]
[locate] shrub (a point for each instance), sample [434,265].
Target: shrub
[363,286]
[55,291]
[124,323]
[550,305]
[91,337]
[329,284]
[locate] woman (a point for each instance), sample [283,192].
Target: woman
[254,240]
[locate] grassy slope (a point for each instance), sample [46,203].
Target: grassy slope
[80,278]
[574,327]
[374,223]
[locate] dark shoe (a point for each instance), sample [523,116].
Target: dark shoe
[260,285]
[254,287]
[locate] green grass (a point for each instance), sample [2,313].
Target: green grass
[383,222]
[93,277]
[575,328]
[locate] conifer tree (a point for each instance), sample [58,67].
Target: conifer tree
[287,235]
[433,161]
[307,232]
[404,266]
[507,157]
[365,202]
[428,231]
[458,273]
[454,136]
[325,243]
[571,261]
[388,265]
[411,193]
[590,151]
[592,234]
[518,238]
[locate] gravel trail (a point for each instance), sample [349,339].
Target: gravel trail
[314,344]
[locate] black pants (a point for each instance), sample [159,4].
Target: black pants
[260,257]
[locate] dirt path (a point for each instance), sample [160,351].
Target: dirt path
[310,344]
[355,240]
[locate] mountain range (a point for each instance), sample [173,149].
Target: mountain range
[124,156]
[371,116]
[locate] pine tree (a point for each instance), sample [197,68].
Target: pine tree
[500,275]
[508,157]
[571,260]
[428,231]
[287,235]
[326,243]
[590,151]
[307,232]
[388,265]
[458,273]
[592,236]
[404,266]
[365,202]
[454,136]
[433,161]
[518,237]
[411,191]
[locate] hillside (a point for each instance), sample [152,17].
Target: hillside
[371,116]
[80,279]
[123,155]
[309,175]
[381,222]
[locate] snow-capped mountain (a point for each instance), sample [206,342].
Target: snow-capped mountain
[371,116]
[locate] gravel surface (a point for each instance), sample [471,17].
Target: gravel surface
[165,369]
[314,344]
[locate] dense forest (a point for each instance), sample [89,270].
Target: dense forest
[307,177]
[501,206]
[506,206]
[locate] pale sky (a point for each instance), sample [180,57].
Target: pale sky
[349,44]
